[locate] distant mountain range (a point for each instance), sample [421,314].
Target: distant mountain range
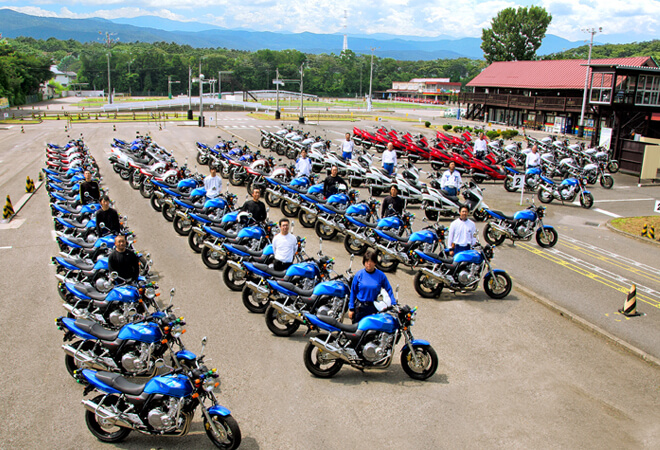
[154,29]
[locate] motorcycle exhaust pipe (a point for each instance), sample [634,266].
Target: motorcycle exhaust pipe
[105,414]
[334,351]
[358,237]
[288,312]
[307,209]
[215,248]
[61,278]
[236,266]
[256,288]
[501,229]
[326,222]
[292,201]
[198,230]
[182,214]
[428,272]
[274,193]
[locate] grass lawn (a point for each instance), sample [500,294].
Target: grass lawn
[634,225]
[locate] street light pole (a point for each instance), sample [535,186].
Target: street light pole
[201,94]
[301,119]
[592,31]
[371,77]
[108,41]
[220,72]
[169,86]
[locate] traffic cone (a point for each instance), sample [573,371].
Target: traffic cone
[645,230]
[8,210]
[114,128]
[651,232]
[22,129]
[29,185]
[41,176]
[630,306]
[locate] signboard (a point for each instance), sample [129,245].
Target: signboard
[280,82]
[605,137]
[560,123]
[518,181]
[4,103]
[657,206]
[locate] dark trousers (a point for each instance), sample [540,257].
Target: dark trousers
[461,248]
[363,310]
[279,265]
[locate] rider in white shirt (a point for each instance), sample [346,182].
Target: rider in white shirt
[461,233]
[533,158]
[480,147]
[451,181]
[213,183]
[285,245]
[347,147]
[303,165]
[389,159]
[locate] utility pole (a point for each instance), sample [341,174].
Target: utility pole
[220,72]
[130,92]
[592,31]
[301,119]
[190,115]
[169,86]
[108,41]
[371,77]
[201,94]
[277,82]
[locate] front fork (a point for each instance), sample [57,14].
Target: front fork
[221,434]
[408,338]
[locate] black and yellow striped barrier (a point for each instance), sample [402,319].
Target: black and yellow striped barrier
[630,306]
[8,210]
[41,176]
[29,185]
[651,232]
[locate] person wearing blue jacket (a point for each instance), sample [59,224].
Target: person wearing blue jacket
[366,287]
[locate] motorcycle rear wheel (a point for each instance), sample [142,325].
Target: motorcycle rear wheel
[428,362]
[272,201]
[385,263]
[70,362]
[202,159]
[504,281]
[424,286]
[613,166]
[105,433]
[232,281]
[264,143]
[255,302]
[146,189]
[545,196]
[479,215]
[492,235]
[316,363]
[324,231]
[436,165]
[168,212]
[182,226]
[156,203]
[288,209]
[280,149]
[607,181]
[306,220]
[212,259]
[195,241]
[291,153]
[135,184]
[546,237]
[354,247]
[280,325]
[124,174]
[508,185]
[232,433]
[431,215]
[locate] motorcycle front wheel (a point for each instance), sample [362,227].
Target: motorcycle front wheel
[289,209]
[291,153]
[427,362]
[195,241]
[320,363]
[499,290]
[212,259]
[182,226]
[279,324]
[272,201]
[607,181]
[202,159]
[306,220]
[546,237]
[135,180]
[146,189]
[492,235]
[426,286]
[229,436]
[224,172]
[354,247]
[508,185]
[324,231]
[586,200]
[264,143]
[254,301]
[103,431]
[480,215]
[613,166]
[234,279]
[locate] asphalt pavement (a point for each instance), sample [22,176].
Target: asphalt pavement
[512,373]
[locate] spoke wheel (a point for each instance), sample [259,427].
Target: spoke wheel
[320,363]
[234,279]
[168,212]
[497,285]
[254,301]
[606,181]
[492,235]
[546,237]
[212,259]
[306,220]
[545,196]
[272,201]
[229,433]
[289,209]
[264,143]
[70,362]
[102,429]
[426,286]
[182,226]
[613,166]
[279,324]
[426,365]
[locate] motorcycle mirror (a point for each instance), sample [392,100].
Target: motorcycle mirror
[114,276]
[203,345]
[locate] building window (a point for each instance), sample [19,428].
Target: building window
[648,90]
[601,87]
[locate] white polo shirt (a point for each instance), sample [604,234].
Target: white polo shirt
[284,247]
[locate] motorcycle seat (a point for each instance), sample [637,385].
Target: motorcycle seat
[269,270]
[500,213]
[223,232]
[120,383]
[308,301]
[96,329]
[338,208]
[91,292]
[350,328]
[395,236]
[446,260]
[80,263]
[292,287]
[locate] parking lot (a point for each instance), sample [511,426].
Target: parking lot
[512,372]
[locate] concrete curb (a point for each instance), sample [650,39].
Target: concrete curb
[630,235]
[585,324]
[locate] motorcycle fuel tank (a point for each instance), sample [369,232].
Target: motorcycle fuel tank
[171,385]
[305,270]
[142,332]
[378,322]
[468,256]
[525,215]
[123,294]
[332,288]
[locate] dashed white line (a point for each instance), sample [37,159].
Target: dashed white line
[625,200]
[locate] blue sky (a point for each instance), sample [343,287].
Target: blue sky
[621,21]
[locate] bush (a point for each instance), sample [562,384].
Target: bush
[492,134]
[458,129]
[509,134]
[468,129]
[446,127]
[427,124]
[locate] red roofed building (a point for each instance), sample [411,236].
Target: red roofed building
[423,90]
[623,94]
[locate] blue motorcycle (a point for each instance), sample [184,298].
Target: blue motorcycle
[163,406]
[394,249]
[369,344]
[566,191]
[520,227]
[363,235]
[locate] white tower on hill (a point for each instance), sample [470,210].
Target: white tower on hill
[345,46]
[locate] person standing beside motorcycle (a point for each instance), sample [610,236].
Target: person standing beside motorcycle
[389,159]
[366,287]
[393,204]
[89,189]
[255,207]
[451,180]
[303,165]
[107,219]
[347,147]
[461,233]
[533,158]
[332,181]
[213,183]
[285,245]
[480,147]
[124,261]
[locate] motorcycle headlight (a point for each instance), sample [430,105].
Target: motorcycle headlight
[210,383]
[150,293]
[177,331]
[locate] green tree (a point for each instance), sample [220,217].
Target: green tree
[515,34]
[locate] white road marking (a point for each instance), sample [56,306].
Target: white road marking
[610,254]
[6,248]
[53,233]
[607,213]
[16,223]
[624,200]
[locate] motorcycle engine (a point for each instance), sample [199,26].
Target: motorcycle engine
[467,274]
[567,193]
[119,318]
[524,228]
[164,418]
[378,348]
[133,362]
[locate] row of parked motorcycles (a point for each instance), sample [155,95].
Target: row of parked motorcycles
[308,292]
[116,329]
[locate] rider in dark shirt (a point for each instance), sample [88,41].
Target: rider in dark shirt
[124,261]
[255,206]
[90,187]
[332,181]
[108,217]
[393,200]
